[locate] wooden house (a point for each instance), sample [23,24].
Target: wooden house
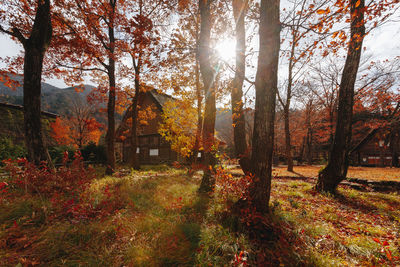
[152,149]
[12,123]
[379,147]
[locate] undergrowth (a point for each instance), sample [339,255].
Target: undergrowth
[155,217]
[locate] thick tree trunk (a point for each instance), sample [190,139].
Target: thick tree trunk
[264,117]
[110,135]
[35,49]
[336,170]
[238,117]
[199,113]
[207,73]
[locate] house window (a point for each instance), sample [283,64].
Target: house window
[199,155]
[153,152]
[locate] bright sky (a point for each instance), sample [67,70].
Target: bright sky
[382,43]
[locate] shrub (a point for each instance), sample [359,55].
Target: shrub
[94,153]
[67,188]
[9,150]
[57,153]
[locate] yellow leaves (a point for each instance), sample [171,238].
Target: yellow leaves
[358,3]
[178,126]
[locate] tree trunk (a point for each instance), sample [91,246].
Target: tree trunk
[288,146]
[286,107]
[199,113]
[134,160]
[110,136]
[338,162]
[207,73]
[238,117]
[309,132]
[264,117]
[35,49]
[394,144]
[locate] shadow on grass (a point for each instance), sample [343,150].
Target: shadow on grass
[366,206]
[175,213]
[274,240]
[299,174]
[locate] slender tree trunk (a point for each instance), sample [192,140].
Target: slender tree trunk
[309,136]
[286,107]
[134,160]
[301,153]
[288,146]
[309,147]
[207,74]
[394,144]
[338,163]
[238,118]
[264,117]
[110,135]
[35,49]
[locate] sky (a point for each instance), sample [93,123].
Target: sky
[382,43]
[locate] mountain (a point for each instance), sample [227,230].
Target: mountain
[54,99]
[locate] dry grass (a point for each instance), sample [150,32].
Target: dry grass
[369,173]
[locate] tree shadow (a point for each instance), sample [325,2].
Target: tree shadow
[272,237]
[362,205]
[299,174]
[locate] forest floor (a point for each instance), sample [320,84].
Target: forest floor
[158,219]
[368,173]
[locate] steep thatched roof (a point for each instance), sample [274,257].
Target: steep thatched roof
[160,100]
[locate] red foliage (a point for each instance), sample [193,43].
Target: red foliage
[66,187]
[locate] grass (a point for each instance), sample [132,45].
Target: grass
[161,220]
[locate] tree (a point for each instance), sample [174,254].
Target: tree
[336,169]
[94,47]
[141,39]
[178,126]
[79,128]
[35,38]
[207,74]
[238,117]
[264,117]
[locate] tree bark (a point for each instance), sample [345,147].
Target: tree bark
[288,146]
[264,117]
[238,117]
[134,160]
[35,49]
[199,129]
[309,137]
[394,143]
[207,74]
[338,162]
[286,107]
[110,135]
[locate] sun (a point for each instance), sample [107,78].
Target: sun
[226,49]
